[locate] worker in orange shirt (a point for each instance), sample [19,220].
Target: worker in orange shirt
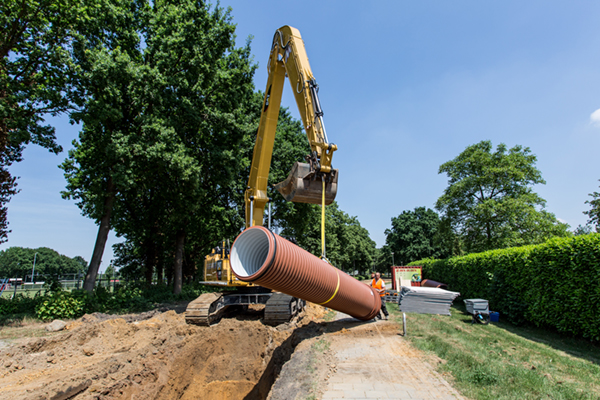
[379,285]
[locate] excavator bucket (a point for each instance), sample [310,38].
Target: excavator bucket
[303,185]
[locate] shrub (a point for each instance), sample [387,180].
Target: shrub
[63,305]
[127,299]
[551,284]
[19,305]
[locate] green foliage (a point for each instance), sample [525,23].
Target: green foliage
[166,113]
[19,305]
[63,305]
[414,235]
[490,202]
[59,304]
[594,212]
[124,299]
[18,262]
[550,284]
[36,75]
[36,67]
[500,361]
[52,284]
[582,230]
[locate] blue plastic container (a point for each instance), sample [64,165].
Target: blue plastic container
[494,316]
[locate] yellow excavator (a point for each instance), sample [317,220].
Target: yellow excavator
[312,182]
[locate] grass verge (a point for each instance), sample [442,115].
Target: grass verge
[501,361]
[23,327]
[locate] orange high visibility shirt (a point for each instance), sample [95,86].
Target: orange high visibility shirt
[379,285]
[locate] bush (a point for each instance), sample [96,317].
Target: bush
[551,284]
[124,299]
[63,305]
[57,303]
[19,305]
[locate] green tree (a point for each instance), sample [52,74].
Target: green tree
[594,212]
[382,260]
[36,77]
[414,235]
[225,218]
[110,271]
[82,265]
[96,167]
[490,202]
[582,230]
[161,128]
[18,262]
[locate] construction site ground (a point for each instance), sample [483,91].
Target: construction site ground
[156,355]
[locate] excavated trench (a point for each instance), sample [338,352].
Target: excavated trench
[157,358]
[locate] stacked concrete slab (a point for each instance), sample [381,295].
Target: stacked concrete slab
[426,300]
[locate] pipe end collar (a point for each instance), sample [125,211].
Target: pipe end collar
[249,252]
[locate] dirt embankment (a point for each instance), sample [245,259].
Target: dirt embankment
[158,358]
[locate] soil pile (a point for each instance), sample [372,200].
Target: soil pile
[157,358]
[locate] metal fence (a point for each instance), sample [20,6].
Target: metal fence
[10,287]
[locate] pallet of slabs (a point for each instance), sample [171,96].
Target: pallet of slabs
[426,300]
[391,296]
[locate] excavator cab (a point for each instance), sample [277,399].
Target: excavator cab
[305,185]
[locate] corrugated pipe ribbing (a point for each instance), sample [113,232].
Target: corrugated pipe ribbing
[266,259]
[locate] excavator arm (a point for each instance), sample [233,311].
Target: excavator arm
[307,181]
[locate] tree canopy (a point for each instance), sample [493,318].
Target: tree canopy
[18,262]
[167,99]
[490,201]
[169,119]
[414,235]
[594,212]
[36,79]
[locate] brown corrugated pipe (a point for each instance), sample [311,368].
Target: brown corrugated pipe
[430,283]
[266,259]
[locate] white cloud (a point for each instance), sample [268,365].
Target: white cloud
[595,118]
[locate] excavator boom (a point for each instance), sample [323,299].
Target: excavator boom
[312,182]
[305,181]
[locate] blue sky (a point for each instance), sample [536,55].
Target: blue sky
[405,87]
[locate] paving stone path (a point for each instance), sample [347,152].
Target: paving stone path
[381,366]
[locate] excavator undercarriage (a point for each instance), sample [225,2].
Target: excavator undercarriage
[209,308]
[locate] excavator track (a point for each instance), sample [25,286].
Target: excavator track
[206,309]
[282,308]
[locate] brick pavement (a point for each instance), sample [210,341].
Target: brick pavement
[381,365]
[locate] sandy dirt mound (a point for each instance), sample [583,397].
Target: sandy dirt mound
[154,356]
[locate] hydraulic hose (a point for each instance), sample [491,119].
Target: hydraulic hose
[264,258]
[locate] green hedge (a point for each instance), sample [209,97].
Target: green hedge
[556,283]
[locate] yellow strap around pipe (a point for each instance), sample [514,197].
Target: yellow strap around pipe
[336,290]
[323,255]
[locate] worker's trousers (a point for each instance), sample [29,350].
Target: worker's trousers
[383,309]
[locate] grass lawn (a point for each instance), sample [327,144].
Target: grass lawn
[22,328]
[501,361]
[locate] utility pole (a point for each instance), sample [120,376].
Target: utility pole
[393,259]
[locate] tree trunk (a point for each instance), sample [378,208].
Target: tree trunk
[150,259]
[159,273]
[177,267]
[103,230]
